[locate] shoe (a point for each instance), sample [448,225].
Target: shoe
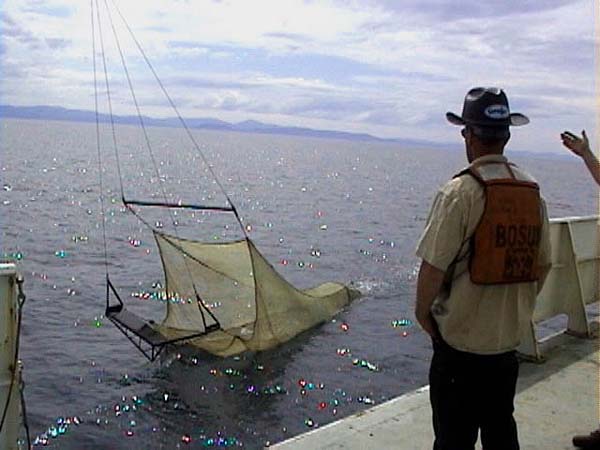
[588,442]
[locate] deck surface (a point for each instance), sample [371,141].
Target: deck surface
[554,401]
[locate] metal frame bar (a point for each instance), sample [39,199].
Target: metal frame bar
[150,353]
[136,339]
[178,205]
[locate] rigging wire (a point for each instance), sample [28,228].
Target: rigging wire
[102,207]
[181,120]
[152,158]
[139,114]
[201,305]
[109,99]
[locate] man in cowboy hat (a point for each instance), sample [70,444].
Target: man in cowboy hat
[485,254]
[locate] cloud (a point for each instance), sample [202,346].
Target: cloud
[329,107]
[380,66]
[56,43]
[451,10]
[295,37]
[11,72]
[12,30]
[43,7]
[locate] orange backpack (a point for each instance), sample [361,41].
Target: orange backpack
[505,245]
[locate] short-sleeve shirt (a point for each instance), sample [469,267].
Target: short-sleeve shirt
[483,319]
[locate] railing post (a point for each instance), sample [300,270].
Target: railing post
[9,374]
[578,321]
[572,282]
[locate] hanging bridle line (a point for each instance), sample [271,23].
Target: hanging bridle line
[179,116]
[130,203]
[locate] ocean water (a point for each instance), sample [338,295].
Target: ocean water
[318,209]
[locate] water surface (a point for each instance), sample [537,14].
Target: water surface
[318,209]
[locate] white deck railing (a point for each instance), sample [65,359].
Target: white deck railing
[572,282]
[8,335]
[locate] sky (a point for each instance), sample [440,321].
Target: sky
[391,68]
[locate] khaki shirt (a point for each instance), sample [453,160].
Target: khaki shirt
[484,319]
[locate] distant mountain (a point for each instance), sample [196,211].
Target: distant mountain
[77,115]
[259,127]
[248,126]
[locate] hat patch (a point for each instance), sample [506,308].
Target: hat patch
[497,112]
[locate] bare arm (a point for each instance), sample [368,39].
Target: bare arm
[581,147]
[593,166]
[429,284]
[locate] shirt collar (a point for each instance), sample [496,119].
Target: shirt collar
[490,159]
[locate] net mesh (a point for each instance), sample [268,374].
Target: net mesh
[255,307]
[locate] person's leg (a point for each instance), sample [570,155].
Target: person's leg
[588,441]
[498,426]
[452,401]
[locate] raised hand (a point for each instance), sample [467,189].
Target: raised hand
[578,145]
[581,147]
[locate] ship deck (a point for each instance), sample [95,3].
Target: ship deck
[555,400]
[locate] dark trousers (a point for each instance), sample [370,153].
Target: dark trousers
[471,392]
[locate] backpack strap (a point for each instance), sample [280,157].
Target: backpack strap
[473,172]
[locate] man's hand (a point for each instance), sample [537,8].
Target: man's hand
[426,321]
[578,145]
[581,147]
[429,284]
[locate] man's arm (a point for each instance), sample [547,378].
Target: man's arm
[593,165]
[581,147]
[429,284]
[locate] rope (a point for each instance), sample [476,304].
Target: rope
[181,120]
[24,410]
[200,302]
[20,302]
[102,207]
[150,151]
[112,120]
[139,114]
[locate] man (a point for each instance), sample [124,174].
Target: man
[581,147]
[485,254]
